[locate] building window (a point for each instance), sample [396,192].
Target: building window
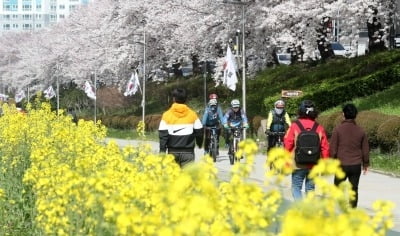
[26,17]
[15,16]
[53,17]
[27,7]
[15,26]
[6,26]
[61,7]
[27,26]
[53,7]
[38,7]
[61,16]
[38,16]
[38,25]
[71,7]
[6,17]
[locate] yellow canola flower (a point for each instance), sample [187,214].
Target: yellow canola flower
[83,186]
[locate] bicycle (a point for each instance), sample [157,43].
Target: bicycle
[213,145]
[279,135]
[278,143]
[234,145]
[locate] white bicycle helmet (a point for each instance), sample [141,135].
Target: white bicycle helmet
[212,102]
[279,104]
[235,103]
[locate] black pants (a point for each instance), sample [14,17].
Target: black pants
[183,158]
[352,173]
[208,137]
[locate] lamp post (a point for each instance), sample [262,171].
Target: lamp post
[243,4]
[144,71]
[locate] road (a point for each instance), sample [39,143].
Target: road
[373,186]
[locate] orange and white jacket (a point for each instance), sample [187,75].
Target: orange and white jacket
[179,130]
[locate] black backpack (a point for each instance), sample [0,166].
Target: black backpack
[308,150]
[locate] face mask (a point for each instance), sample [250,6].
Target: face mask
[278,111]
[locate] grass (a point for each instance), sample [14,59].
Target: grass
[130,134]
[389,163]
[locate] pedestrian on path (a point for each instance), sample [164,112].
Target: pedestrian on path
[307,114]
[349,144]
[179,130]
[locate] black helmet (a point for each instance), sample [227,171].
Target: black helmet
[307,110]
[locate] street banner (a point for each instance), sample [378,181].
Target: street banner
[230,78]
[49,93]
[89,90]
[133,85]
[19,96]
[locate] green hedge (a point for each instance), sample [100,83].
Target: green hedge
[326,97]
[383,131]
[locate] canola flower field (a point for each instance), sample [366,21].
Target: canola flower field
[61,178]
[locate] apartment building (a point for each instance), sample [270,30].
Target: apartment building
[19,15]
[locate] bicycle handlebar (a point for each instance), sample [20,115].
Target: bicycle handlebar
[272,133]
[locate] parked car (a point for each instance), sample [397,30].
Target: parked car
[339,50]
[397,41]
[284,58]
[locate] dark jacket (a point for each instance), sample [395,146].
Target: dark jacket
[179,129]
[349,144]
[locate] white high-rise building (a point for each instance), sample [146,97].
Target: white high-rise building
[17,15]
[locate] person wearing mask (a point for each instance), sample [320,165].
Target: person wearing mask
[295,143]
[278,121]
[180,129]
[212,117]
[349,144]
[234,117]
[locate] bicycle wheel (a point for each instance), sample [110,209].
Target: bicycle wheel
[231,154]
[213,148]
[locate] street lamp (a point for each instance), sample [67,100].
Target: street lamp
[144,70]
[243,4]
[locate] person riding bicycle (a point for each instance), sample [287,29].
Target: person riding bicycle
[234,117]
[278,121]
[212,117]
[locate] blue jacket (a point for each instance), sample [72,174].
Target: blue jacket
[235,119]
[212,116]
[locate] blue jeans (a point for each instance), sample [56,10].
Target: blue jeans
[298,177]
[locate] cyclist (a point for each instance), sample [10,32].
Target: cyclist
[278,121]
[212,118]
[234,117]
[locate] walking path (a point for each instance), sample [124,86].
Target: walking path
[373,186]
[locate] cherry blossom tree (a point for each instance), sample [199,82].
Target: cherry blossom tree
[110,37]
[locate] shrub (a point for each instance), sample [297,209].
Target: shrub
[388,134]
[256,124]
[370,121]
[329,122]
[152,122]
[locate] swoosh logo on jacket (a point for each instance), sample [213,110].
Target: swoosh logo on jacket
[177,130]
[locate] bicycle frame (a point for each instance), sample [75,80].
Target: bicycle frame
[237,136]
[279,135]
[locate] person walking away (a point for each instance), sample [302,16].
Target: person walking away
[180,129]
[212,117]
[307,140]
[71,112]
[278,120]
[234,117]
[349,144]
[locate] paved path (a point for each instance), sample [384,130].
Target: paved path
[373,186]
